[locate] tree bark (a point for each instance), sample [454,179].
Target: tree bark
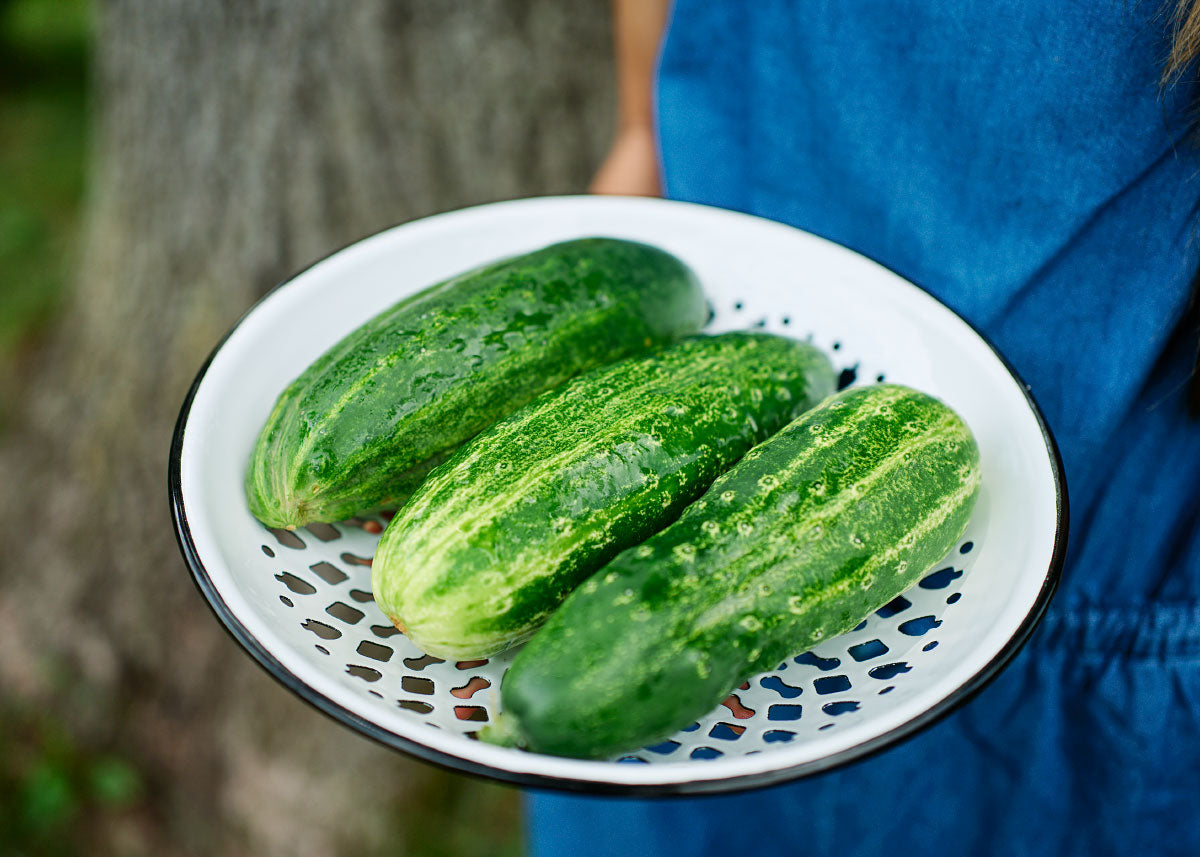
[234,143]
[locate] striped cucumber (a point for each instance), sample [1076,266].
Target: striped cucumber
[500,533]
[813,530]
[366,421]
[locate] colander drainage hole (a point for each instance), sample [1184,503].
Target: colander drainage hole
[328,572]
[726,731]
[778,736]
[325,632]
[341,610]
[897,605]
[840,707]
[296,584]
[416,684]
[868,650]
[776,684]
[472,687]
[287,538]
[665,748]
[365,673]
[706,753]
[847,376]
[888,671]
[324,532]
[831,684]
[921,625]
[784,711]
[814,660]
[374,651]
[421,662]
[940,579]
[734,704]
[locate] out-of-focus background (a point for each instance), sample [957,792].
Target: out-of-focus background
[162,164]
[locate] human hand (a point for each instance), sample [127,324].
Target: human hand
[631,168]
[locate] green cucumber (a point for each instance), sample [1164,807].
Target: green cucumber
[498,535]
[813,530]
[361,426]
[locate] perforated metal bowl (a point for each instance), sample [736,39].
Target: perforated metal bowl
[301,604]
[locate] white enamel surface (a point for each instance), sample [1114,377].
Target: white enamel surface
[881,323]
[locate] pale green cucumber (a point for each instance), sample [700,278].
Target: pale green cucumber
[813,530]
[361,426]
[500,533]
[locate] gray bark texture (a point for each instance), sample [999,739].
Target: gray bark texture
[235,142]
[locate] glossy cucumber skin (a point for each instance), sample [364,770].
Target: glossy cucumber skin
[813,530]
[499,534]
[361,426]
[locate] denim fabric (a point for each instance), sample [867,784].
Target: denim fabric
[1018,160]
[1087,746]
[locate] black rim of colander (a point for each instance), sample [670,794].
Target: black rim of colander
[699,786]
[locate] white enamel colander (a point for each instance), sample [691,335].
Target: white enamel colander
[300,603]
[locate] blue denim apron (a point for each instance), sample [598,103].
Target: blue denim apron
[1017,160]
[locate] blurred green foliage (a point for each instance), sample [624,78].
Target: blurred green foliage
[55,795]
[53,791]
[43,146]
[458,816]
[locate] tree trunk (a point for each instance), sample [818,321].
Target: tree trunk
[234,143]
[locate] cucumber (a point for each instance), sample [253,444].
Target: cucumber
[361,426]
[499,534]
[813,530]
